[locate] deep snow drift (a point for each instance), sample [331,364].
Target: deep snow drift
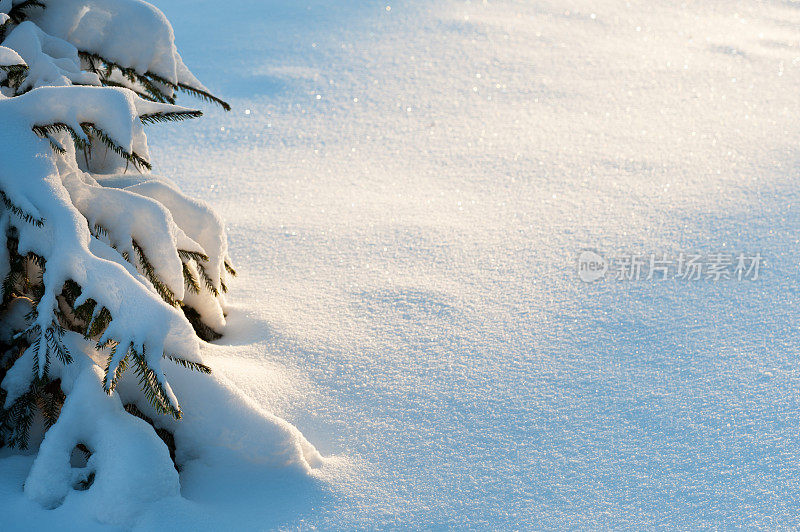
[407,188]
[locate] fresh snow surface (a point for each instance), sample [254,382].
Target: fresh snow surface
[407,187]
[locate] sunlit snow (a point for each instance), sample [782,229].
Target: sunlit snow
[407,190]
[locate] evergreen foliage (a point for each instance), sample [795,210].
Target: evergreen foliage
[83,146]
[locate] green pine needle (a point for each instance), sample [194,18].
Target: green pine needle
[16,211]
[171,116]
[150,272]
[151,387]
[152,83]
[189,279]
[195,366]
[110,385]
[18,13]
[199,260]
[84,142]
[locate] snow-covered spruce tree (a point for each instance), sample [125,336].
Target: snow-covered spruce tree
[107,268]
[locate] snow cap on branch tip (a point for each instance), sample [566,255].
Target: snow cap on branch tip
[9,57]
[111,109]
[114,29]
[52,61]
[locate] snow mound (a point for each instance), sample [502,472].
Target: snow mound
[112,28]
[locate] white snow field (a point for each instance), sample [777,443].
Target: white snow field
[407,188]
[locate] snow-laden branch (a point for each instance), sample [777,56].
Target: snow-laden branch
[52,188]
[110,275]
